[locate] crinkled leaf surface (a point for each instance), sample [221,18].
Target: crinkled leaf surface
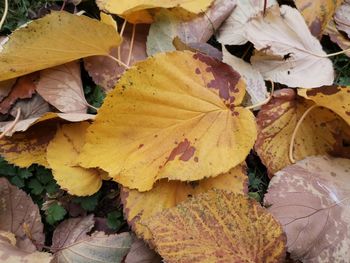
[218,226]
[318,134]
[62,87]
[189,123]
[232,32]
[55,39]
[72,244]
[335,98]
[287,50]
[165,194]
[20,216]
[311,200]
[342,17]
[69,140]
[317,13]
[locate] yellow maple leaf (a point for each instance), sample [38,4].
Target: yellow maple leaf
[139,206]
[218,226]
[62,153]
[175,115]
[55,39]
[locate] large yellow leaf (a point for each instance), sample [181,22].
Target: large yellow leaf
[335,98]
[62,154]
[321,132]
[218,226]
[55,39]
[175,116]
[139,206]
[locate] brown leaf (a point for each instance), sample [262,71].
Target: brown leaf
[342,17]
[104,71]
[34,107]
[19,215]
[5,87]
[24,88]
[141,253]
[62,87]
[337,37]
[311,200]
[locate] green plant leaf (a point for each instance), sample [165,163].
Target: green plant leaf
[55,213]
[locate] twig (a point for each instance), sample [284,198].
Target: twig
[131,44]
[4,15]
[13,124]
[121,35]
[119,61]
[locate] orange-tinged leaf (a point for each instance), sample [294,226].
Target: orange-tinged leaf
[139,206]
[317,13]
[318,134]
[311,201]
[335,98]
[218,226]
[55,39]
[175,115]
[69,140]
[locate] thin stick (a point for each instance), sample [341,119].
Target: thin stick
[131,43]
[337,53]
[264,101]
[119,61]
[4,15]
[92,107]
[291,145]
[13,124]
[121,35]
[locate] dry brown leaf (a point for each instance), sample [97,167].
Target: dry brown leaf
[287,50]
[320,133]
[311,200]
[62,87]
[6,87]
[20,216]
[34,107]
[342,17]
[337,37]
[218,226]
[141,253]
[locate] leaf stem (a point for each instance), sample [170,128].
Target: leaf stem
[121,35]
[13,124]
[291,145]
[4,15]
[264,101]
[118,61]
[131,44]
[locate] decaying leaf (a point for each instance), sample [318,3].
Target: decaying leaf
[6,87]
[141,253]
[69,140]
[287,52]
[218,226]
[71,243]
[342,17]
[232,32]
[62,87]
[188,131]
[23,88]
[9,253]
[55,39]
[318,134]
[335,98]
[106,72]
[139,207]
[337,37]
[256,87]
[35,107]
[317,13]
[311,200]
[20,216]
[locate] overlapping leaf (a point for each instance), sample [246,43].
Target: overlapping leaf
[189,123]
[138,207]
[337,37]
[311,200]
[342,17]
[218,226]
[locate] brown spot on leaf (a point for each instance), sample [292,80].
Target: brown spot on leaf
[184,150]
[326,90]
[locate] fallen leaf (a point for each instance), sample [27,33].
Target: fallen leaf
[71,243]
[287,50]
[337,37]
[55,39]
[6,87]
[335,98]
[9,253]
[106,72]
[35,107]
[188,131]
[109,20]
[256,87]
[20,216]
[232,31]
[310,199]
[25,149]
[23,88]
[318,134]
[317,13]
[218,226]
[342,17]
[62,87]
[141,253]
[76,180]
[140,206]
